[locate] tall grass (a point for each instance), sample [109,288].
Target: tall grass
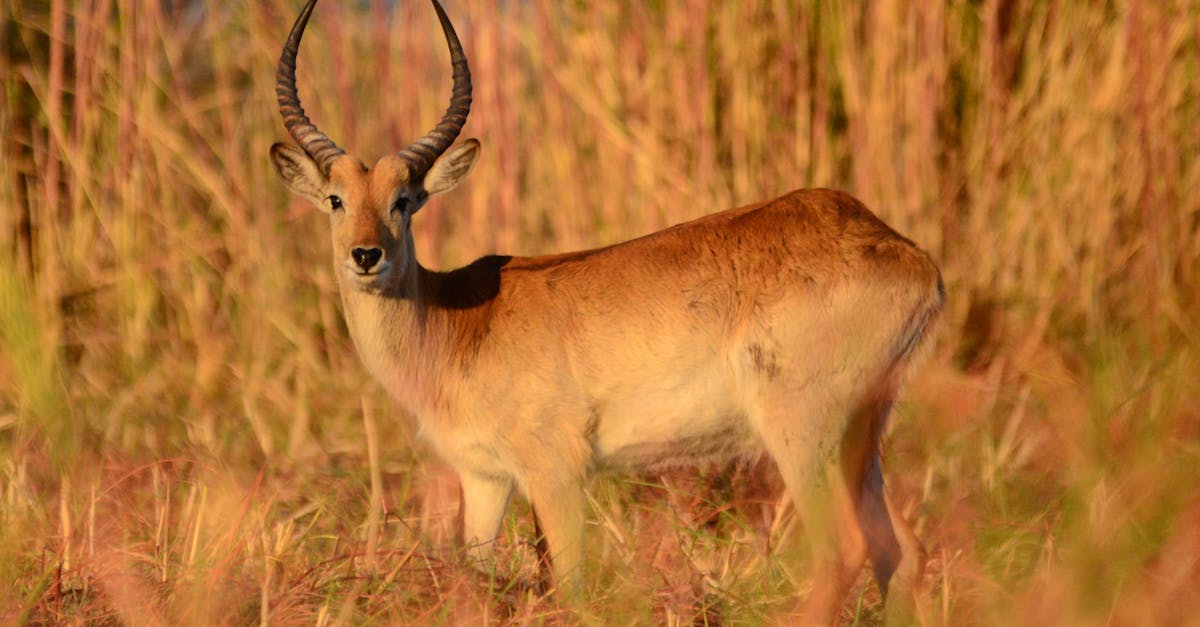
[182,414]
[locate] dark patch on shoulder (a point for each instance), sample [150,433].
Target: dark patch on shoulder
[763,360]
[469,286]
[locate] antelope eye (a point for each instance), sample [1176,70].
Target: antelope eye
[400,205]
[335,202]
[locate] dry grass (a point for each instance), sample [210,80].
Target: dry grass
[183,421]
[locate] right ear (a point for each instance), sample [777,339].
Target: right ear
[299,172]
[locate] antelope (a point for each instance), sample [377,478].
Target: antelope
[784,327]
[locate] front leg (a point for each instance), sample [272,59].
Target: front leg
[558,505]
[484,500]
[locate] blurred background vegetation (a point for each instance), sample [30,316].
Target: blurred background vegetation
[185,430]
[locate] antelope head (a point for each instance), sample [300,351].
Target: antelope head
[370,208]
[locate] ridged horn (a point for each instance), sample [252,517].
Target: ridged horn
[421,154]
[314,143]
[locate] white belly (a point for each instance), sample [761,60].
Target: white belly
[661,423]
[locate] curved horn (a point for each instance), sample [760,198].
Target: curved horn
[421,154]
[314,143]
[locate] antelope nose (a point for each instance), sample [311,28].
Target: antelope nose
[366,258]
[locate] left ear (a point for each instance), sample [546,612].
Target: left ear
[451,167]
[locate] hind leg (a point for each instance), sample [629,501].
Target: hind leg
[817,484]
[906,601]
[896,555]
[838,546]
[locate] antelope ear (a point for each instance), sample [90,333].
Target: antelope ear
[451,167]
[299,172]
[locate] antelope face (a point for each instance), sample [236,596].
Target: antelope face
[370,209]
